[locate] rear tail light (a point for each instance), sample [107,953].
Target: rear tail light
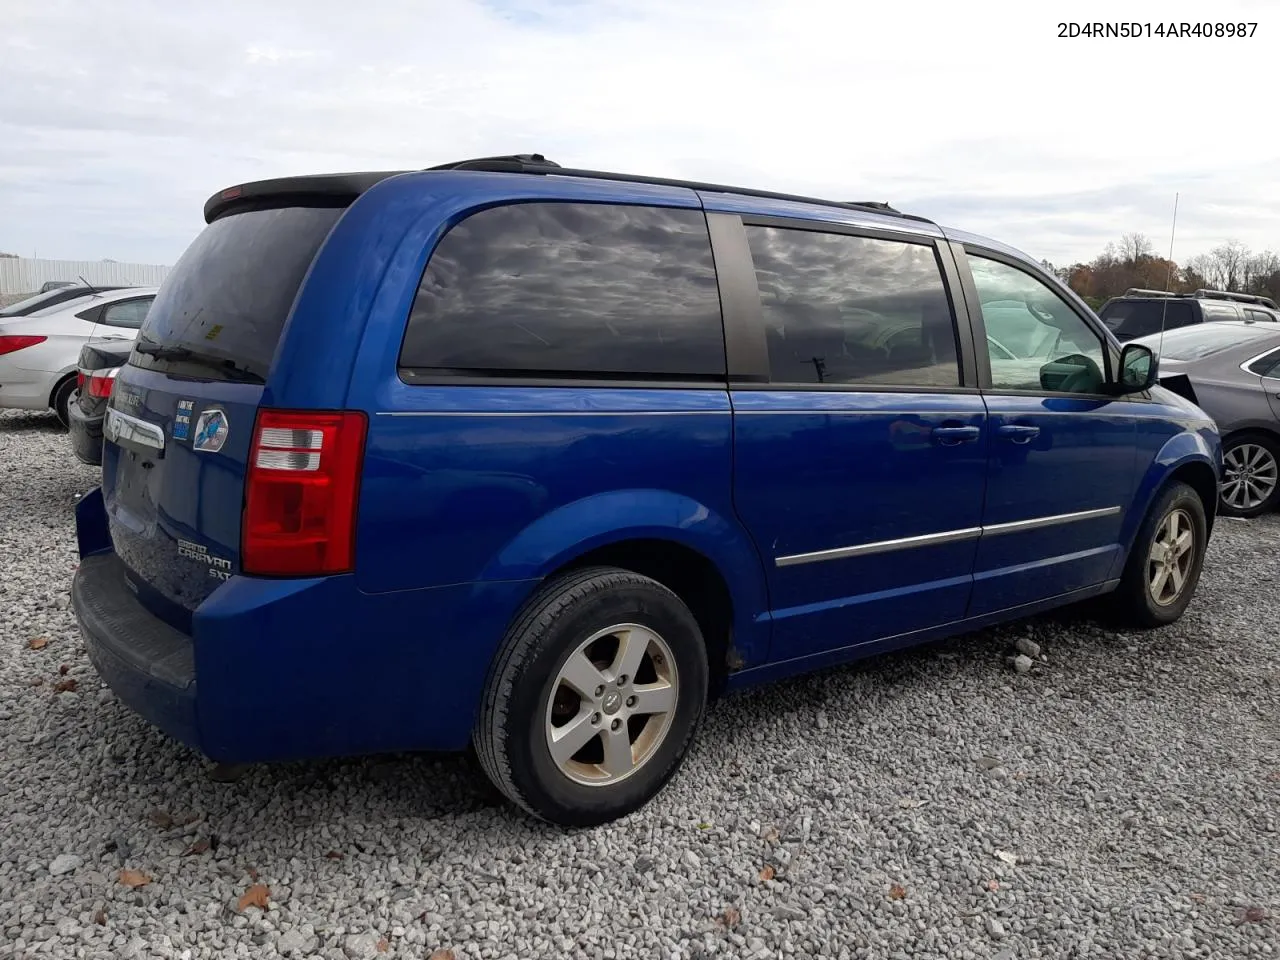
[97,383]
[300,495]
[13,341]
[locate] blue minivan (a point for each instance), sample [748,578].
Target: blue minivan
[532,460]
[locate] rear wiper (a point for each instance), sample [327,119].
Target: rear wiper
[222,365]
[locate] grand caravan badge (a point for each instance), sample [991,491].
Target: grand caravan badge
[211,431]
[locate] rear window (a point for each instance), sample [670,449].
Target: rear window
[224,303]
[1203,341]
[1140,318]
[569,289]
[34,303]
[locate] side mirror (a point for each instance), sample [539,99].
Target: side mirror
[1139,369]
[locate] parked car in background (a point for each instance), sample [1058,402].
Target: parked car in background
[1231,370]
[41,301]
[1140,313]
[39,351]
[99,364]
[539,460]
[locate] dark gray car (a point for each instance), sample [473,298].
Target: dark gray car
[1232,371]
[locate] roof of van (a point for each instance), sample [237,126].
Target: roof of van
[340,189]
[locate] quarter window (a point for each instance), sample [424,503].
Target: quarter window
[1035,340]
[842,309]
[554,289]
[130,313]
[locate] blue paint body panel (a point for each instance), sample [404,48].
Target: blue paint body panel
[473,494]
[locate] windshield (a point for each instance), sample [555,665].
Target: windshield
[19,309]
[1203,340]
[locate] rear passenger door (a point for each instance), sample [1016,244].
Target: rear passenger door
[859,434]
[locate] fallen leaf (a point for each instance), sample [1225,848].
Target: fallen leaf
[333,855]
[770,834]
[444,954]
[731,917]
[134,879]
[1252,915]
[38,643]
[64,669]
[704,826]
[1006,857]
[197,848]
[1198,897]
[767,872]
[36,681]
[255,896]
[100,918]
[897,892]
[66,686]
[253,874]
[160,819]
[383,945]
[992,885]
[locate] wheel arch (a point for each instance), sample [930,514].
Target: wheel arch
[703,556]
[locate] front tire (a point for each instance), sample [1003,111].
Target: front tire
[593,698]
[1251,475]
[1165,561]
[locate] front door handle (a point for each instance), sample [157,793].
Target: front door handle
[1018,432]
[950,436]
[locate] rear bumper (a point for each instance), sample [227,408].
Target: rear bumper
[293,669]
[86,435]
[149,664]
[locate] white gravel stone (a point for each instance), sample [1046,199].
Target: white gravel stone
[1027,647]
[1022,663]
[64,863]
[1138,816]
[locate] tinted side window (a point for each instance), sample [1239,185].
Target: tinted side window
[1259,316]
[570,288]
[129,314]
[841,309]
[1268,366]
[1034,339]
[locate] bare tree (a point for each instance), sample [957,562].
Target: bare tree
[1135,247]
[1224,265]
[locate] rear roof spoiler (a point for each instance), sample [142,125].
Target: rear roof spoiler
[326,189]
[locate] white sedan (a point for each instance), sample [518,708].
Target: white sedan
[38,352]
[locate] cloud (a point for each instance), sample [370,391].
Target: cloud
[116,126]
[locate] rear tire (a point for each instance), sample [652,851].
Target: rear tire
[62,400]
[1251,475]
[593,698]
[1165,561]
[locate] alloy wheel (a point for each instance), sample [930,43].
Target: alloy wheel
[1172,554]
[612,704]
[1251,475]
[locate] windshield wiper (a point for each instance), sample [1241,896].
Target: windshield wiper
[222,365]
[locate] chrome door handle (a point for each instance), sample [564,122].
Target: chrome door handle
[950,436]
[1018,432]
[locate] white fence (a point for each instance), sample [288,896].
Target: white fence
[21,275]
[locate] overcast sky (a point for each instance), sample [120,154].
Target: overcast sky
[118,119]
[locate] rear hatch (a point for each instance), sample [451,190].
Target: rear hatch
[181,416]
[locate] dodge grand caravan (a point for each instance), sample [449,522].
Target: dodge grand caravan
[536,460]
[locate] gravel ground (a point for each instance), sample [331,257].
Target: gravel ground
[1121,799]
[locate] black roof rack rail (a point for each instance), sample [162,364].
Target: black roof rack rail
[1206,294]
[536,163]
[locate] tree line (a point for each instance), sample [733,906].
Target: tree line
[1132,262]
